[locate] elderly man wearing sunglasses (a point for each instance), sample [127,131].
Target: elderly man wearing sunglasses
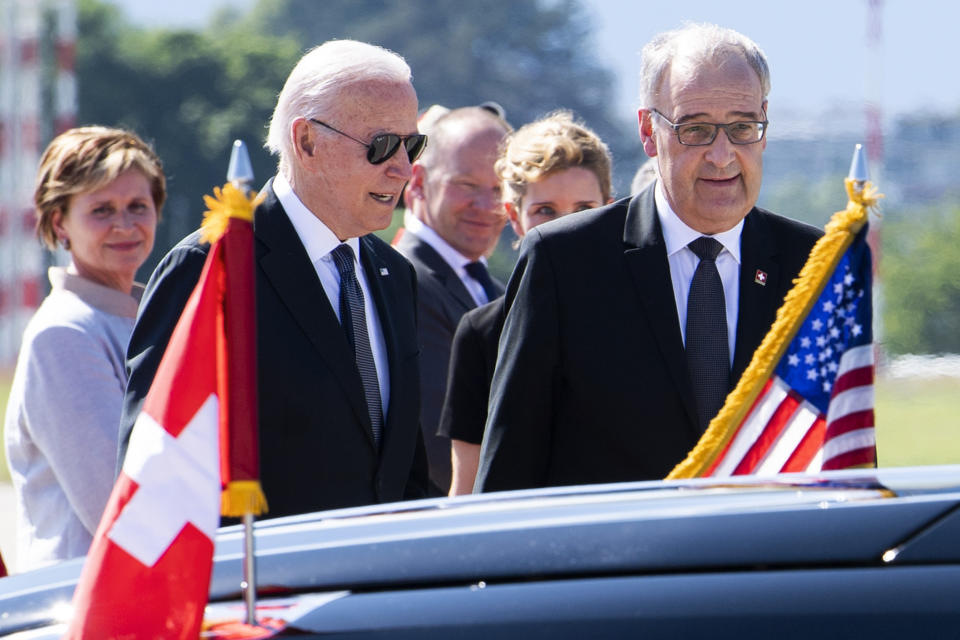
[338,368]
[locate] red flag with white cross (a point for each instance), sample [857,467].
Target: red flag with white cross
[192,451]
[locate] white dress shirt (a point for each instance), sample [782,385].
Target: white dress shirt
[683,262]
[320,241]
[457,261]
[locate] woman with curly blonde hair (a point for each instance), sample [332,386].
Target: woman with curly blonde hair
[549,168]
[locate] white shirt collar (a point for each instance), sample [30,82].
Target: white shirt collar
[317,238]
[450,255]
[677,234]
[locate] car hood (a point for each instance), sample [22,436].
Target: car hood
[876,518]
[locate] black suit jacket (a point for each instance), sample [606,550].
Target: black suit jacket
[442,300]
[591,384]
[473,356]
[316,442]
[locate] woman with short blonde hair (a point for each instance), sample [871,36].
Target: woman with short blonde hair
[548,169]
[98,196]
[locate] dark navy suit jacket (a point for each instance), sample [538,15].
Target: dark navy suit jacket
[591,383]
[316,442]
[442,300]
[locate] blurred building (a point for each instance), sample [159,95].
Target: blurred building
[37,101]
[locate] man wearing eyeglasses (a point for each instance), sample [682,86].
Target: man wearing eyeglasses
[337,364]
[454,220]
[628,326]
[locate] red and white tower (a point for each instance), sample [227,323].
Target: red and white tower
[37,101]
[874,89]
[873,110]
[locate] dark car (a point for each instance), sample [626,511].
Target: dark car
[838,555]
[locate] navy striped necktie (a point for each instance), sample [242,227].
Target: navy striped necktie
[353,318]
[707,348]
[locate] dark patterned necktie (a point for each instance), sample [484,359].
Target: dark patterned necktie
[478,272]
[707,348]
[354,321]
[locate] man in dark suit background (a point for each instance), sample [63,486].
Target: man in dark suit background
[620,341]
[332,300]
[453,221]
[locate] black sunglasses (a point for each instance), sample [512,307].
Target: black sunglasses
[383,146]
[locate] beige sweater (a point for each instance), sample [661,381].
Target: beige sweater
[63,414]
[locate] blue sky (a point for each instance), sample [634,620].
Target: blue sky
[818,49]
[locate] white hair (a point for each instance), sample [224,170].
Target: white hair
[312,88]
[698,43]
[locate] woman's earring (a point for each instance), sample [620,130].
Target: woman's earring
[65,241]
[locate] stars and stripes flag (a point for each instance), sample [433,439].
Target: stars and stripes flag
[805,402]
[192,455]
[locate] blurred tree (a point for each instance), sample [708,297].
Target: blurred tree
[811,200]
[921,288]
[530,56]
[189,93]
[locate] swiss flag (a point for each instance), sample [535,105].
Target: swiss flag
[147,574]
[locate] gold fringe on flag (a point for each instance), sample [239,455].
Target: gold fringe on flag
[241,497]
[826,253]
[225,203]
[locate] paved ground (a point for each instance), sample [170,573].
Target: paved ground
[8,523]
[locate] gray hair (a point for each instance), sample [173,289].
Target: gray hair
[312,88]
[698,43]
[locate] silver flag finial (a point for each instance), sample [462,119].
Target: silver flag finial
[858,167]
[240,171]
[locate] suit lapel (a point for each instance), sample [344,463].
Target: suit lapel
[646,257]
[285,264]
[647,262]
[441,271]
[758,302]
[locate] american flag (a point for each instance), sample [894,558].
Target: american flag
[816,410]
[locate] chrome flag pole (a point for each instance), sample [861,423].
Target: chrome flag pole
[240,174]
[858,168]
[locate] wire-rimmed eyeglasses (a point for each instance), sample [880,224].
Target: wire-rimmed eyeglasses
[699,134]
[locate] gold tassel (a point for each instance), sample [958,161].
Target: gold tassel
[228,202]
[241,497]
[826,253]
